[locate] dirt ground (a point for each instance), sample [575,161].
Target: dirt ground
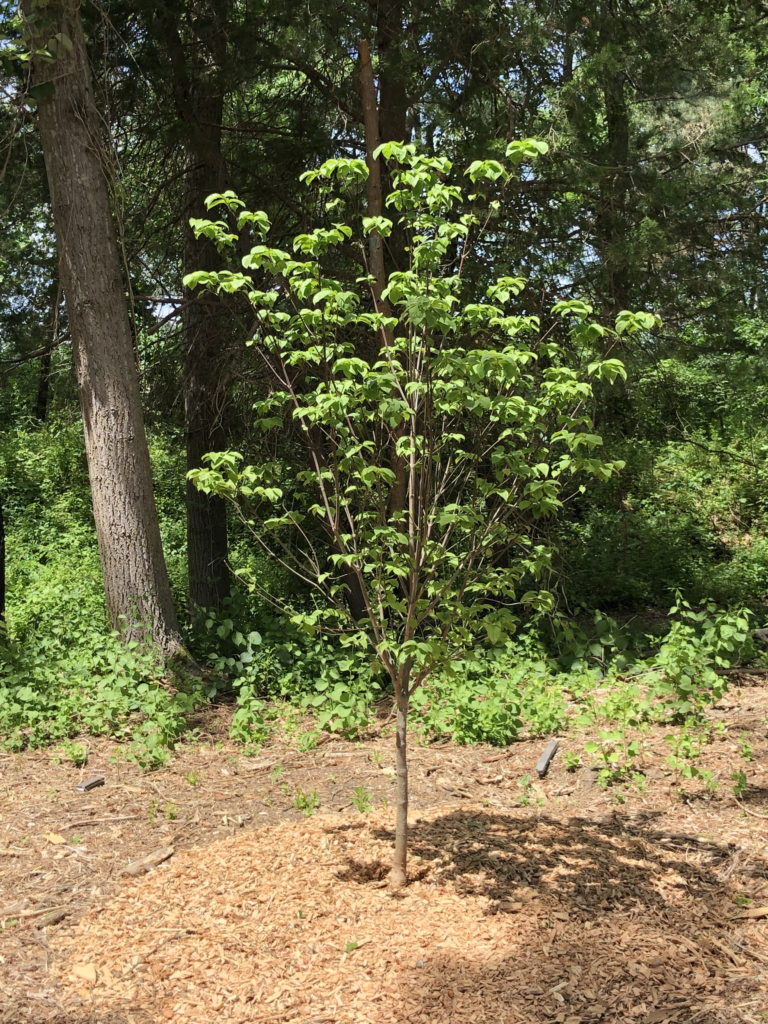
[531,902]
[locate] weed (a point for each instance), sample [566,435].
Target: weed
[572,760]
[192,778]
[746,750]
[362,799]
[740,784]
[76,752]
[616,758]
[307,740]
[306,802]
[170,810]
[277,772]
[248,725]
[525,786]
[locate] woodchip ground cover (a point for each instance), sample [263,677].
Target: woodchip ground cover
[531,901]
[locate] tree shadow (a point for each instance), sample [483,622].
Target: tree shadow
[614,921]
[594,866]
[756,796]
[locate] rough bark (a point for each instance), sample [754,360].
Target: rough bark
[393,99]
[135,577]
[380,265]
[198,93]
[373,185]
[393,105]
[612,217]
[206,369]
[2,562]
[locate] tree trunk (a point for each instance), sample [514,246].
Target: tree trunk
[196,76]
[398,874]
[612,218]
[206,366]
[393,106]
[135,577]
[373,185]
[2,562]
[378,180]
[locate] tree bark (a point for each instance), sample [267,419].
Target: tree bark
[373,185]
[198,91]
[135,577]
[393,105]
[206,367]
[612,220]
[2,562]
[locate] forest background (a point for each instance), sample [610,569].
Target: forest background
[650,196]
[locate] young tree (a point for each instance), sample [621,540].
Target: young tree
[489,418]
[135,578]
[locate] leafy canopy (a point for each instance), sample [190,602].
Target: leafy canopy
[439,424]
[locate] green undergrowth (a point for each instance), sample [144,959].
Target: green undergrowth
[684,514]
[64,674]
[85,684]
[73,683]
[592,683]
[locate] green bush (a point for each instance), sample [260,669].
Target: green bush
[494,695]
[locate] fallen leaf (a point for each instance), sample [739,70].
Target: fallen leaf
[54,837]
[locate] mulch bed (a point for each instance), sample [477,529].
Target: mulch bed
[549,904]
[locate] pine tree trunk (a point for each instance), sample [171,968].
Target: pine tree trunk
[2,562]
[196,74]
[135,577]
[207,351]
[612,221]
[393,107]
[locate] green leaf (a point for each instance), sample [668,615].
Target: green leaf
[39,92]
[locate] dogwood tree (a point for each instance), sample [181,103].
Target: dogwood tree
[438,425]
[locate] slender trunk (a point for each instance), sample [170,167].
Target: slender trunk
[398,874]
[135,577]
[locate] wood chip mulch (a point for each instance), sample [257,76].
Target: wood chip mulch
[511,918]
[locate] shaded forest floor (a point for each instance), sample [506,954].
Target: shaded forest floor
[533,902]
